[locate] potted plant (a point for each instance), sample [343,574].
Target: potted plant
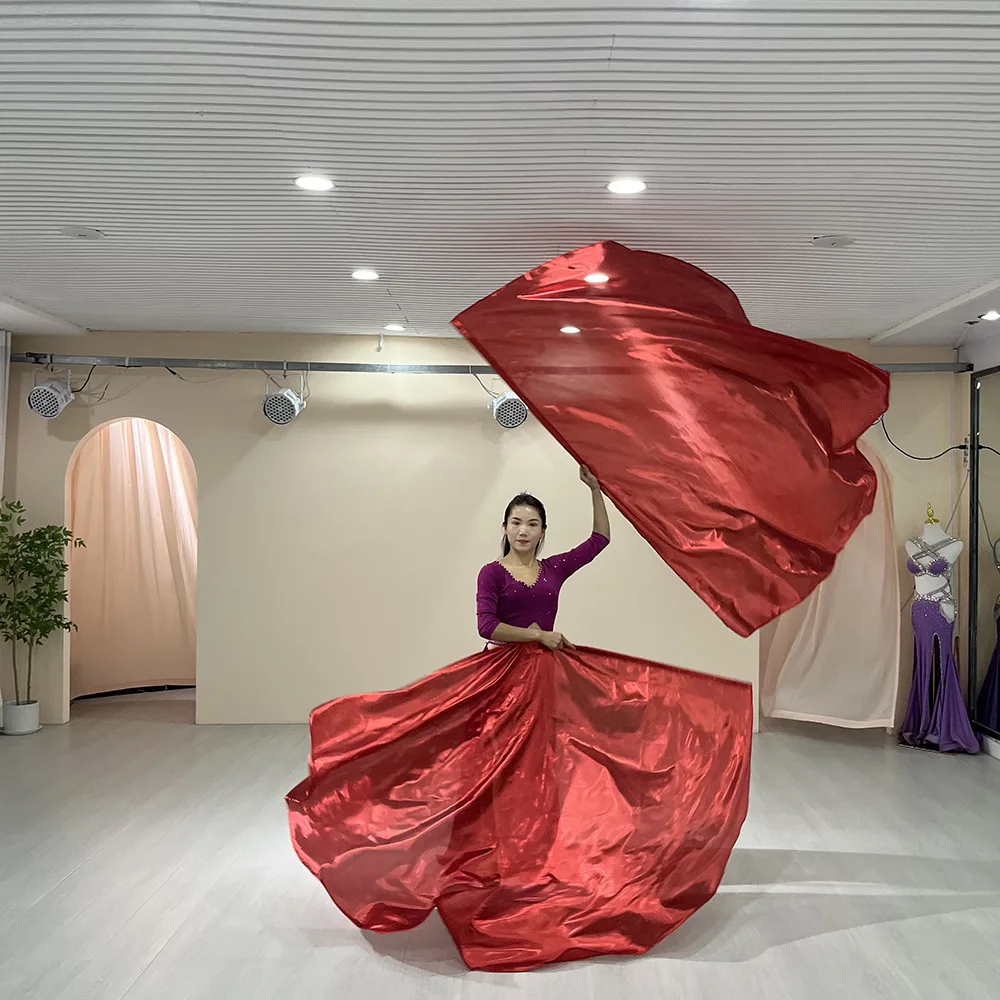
[32,594]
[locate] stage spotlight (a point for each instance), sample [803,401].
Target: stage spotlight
[508,410]
[49,399]
[283,406]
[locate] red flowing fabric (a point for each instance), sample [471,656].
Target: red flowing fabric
[732,450]
[552,806]
[556,806]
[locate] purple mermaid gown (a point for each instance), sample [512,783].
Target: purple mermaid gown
[936,716]
[988,705]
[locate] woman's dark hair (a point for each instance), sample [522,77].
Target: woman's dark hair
[523,500]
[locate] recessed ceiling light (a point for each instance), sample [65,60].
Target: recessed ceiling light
[394,327]
[364,274]
[627,185]
[314,182]
[569,329]
[991,317]
[832,242]
[597,278]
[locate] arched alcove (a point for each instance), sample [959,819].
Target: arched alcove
[132,496]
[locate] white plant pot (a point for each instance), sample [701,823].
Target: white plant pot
[20,719]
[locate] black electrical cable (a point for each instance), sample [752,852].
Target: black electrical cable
[87,380]
[920,458]
[986,447]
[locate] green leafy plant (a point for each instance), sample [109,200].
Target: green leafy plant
[32,585]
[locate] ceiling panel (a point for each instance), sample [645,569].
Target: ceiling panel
[469,141]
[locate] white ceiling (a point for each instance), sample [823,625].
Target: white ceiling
[471,139]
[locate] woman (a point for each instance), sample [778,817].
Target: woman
[551,802]
[518,596]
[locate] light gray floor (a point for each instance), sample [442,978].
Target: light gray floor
[142,856]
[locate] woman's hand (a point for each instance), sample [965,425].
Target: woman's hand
[555,640]
[551,640]
[588,478]
[602,526]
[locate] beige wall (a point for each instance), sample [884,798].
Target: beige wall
[339,554]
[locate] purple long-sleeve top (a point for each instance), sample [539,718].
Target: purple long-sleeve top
[502,599]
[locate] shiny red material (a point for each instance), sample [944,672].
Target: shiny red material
[732,450]
[552,806]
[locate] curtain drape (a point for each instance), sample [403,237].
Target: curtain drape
[133,588]
[4,394]
[835,658]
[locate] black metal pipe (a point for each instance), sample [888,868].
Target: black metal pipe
[126,361]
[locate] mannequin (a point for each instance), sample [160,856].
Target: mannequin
[936,716]
[933,545]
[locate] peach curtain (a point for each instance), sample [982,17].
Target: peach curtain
[835,658]
[5,690]
[134,503]
[4,394]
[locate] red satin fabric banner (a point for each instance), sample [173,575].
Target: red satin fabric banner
[552,806]
[732,450]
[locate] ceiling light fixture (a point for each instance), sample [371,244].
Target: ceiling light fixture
[508,410]
[314,182]
[627,185]
[283,406]
[597,278]
[394,328]
[569,329]
[364,274]
[991,317]
[50,398]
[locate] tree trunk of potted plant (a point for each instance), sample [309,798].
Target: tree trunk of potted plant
[20,718]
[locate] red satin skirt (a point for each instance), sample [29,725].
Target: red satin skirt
[551,806]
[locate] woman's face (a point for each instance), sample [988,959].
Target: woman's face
[524,529]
